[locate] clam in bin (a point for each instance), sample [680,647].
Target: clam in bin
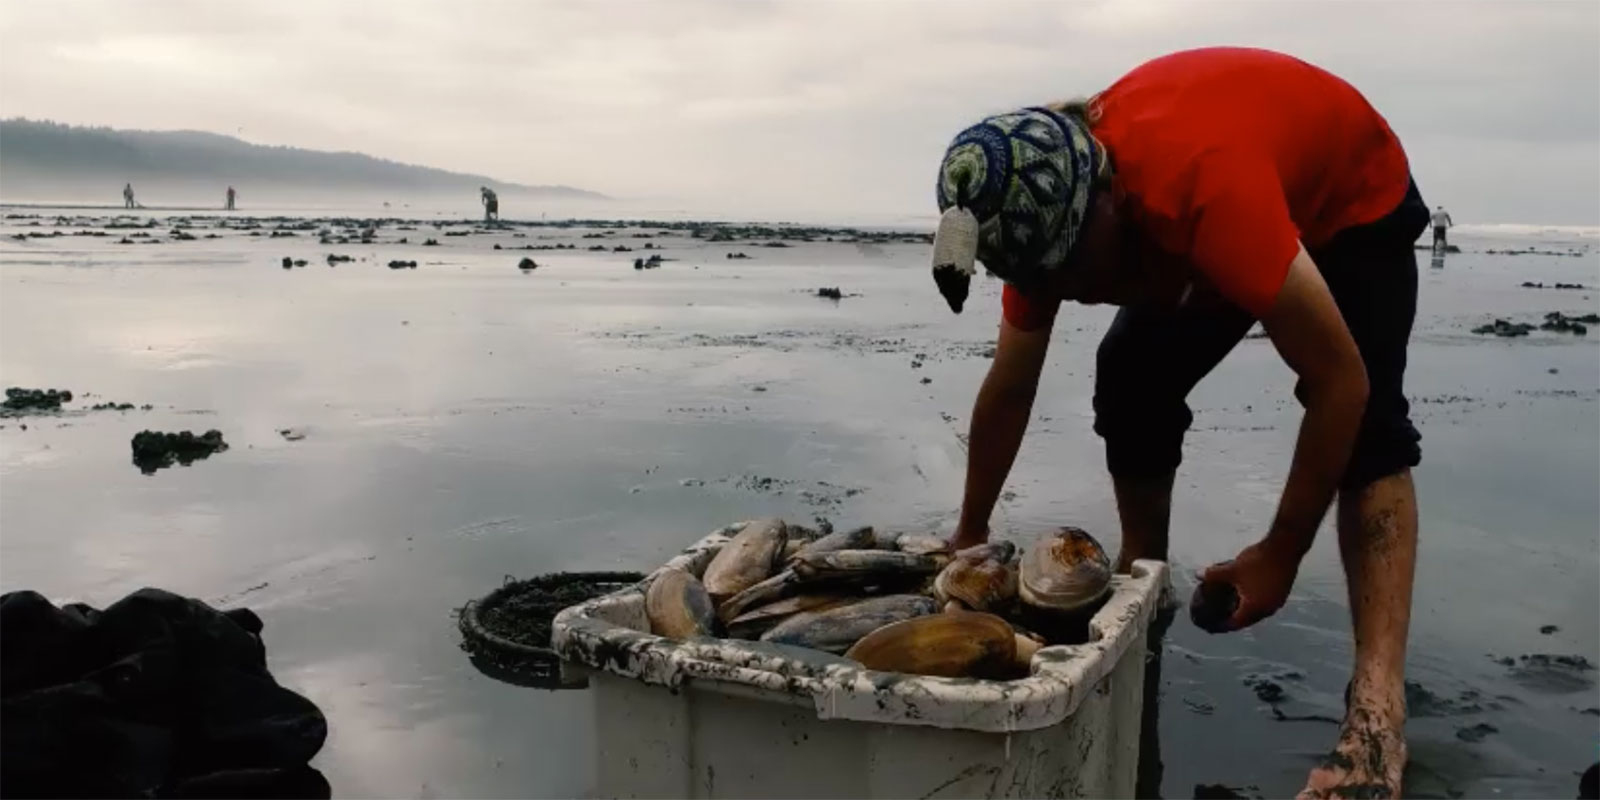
[708,717]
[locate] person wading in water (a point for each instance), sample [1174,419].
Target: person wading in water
[491,204]
[1203,192]
[1441,223]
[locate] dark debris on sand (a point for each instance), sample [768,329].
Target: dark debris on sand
[1533,251]
[22,402]
[1555,321]
[1219,791]
[19,400]
[1504,328]
[114,406]
[1561,323]
[1556,285]
[527,264]
[830,292]
[154,450]
[397,264]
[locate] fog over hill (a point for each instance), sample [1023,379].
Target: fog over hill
[50,162]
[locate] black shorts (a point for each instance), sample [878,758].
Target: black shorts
[1152,357]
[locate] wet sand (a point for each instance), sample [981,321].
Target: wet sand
[466,420]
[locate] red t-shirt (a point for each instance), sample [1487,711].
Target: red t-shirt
[1229,158]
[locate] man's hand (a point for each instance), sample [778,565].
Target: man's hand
[1262,575]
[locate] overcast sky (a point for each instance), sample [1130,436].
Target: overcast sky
[811,108]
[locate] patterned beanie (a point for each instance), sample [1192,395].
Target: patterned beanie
[1014,190]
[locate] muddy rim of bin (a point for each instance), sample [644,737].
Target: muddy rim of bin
[611,634]
[506,633]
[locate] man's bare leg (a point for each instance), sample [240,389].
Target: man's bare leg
[1145,509]
[1378,542]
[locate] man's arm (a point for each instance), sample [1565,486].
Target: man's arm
[999,420]
[1307,329]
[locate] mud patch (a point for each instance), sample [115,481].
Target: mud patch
[1423,702]
[790,340]
[1551,674]
[820,495]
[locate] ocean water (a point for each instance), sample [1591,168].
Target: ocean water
[465,421]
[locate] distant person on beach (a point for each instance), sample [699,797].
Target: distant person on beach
[1441,223]
[127,196]
[1203,192]
[230,198]
[491,204]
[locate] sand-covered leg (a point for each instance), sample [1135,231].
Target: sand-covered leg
[1367,761]
[1378,540]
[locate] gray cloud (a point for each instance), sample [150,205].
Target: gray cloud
[817,109]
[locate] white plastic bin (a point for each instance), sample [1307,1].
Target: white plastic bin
[727,718]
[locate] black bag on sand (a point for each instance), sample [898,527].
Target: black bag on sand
[157,696]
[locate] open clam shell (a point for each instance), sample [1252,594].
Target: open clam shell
[1065,572]
[981,578]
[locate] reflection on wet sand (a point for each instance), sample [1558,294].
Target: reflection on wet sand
[469,421]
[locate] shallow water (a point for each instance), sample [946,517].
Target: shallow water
[464,422]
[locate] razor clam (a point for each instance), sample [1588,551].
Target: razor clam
[921,543]
[677,605]
[863,566]
[774,588]
[885,539]
[858,539]
[835,630]
[747,559]
[751,624]
[981,578]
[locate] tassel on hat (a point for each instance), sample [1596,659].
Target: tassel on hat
[955,249]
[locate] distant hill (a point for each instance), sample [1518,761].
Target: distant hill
[39,159]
